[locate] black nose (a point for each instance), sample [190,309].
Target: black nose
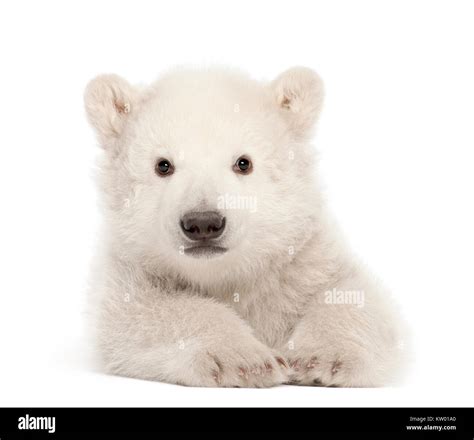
[203,225]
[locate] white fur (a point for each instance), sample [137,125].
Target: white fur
[256,315]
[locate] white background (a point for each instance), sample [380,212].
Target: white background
[396,139]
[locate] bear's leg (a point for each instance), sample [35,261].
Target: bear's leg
[349,337]
[181,338]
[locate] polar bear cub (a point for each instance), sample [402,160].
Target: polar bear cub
[219,264]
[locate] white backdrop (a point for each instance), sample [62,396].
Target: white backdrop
[396,139]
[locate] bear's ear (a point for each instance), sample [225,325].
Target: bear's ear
[109,100]
[299,95]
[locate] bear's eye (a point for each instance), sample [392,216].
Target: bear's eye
[163,167]
[243,165]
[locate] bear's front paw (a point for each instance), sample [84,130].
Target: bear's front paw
[332,367]
[246,365]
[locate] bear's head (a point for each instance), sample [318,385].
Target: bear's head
[208,174]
